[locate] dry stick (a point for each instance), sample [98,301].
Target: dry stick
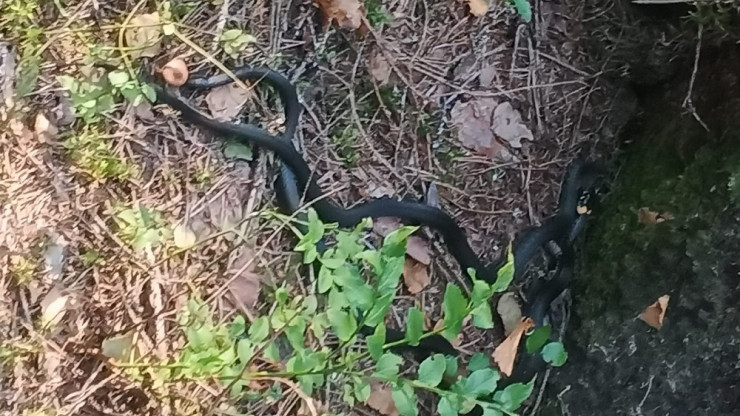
[688,102]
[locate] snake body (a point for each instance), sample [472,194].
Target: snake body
[296,180]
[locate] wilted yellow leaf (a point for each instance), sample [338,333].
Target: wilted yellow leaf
[653,315]
[478,7]
[505,353]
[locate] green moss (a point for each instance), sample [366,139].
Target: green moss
[620,252]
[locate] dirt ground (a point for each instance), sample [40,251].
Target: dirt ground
[389,112]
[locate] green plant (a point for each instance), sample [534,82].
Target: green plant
[140,227]
[94,155]
[234,41]
[22,269]
[18,23]
[376,13]
[92,99]
[523,9]
[344,140]
[351,279]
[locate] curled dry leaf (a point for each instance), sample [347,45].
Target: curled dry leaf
[416,247]
[653,315]
[143,35]
[347,13]
[175,72]
[226,101]
[379,68]
[415,276]
[478,7]
[646,216]
[118,347]
[245,284]
[184,237]
[54,306]
[510,311]
[505,353]
[44,129]
[381,399]
[508,125]
[473,120]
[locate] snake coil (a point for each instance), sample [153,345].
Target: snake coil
[295,179]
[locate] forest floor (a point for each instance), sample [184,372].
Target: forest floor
[114,215]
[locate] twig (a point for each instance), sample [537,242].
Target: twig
[688,102]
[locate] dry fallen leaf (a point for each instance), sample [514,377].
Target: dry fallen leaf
[505,353]
[226,101]
[379,68]
[510,311]
[478,7]
[143,35]
[381,399]
[45,131]
[184,237]
[416,247]
[646,216]
[119,346]
[653,315]
[54,306]
[244,287]
[473,120]
[347,13]
[415,276]
[175,72]
[508,125]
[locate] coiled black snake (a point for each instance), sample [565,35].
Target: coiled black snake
[296,179]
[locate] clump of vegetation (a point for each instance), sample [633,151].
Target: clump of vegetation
[355,288]
[93,154]
[140,227]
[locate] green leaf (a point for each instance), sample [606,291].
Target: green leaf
[237,150]
[375,342]
[373,258]
[149,92]
[387,367]
[325,279]
[506,273]
[295,332]
[538,338]
[316,228]
[238,326]
[230,35]
[259,330]
[361,388]
[405,399]
[337,299]
[391,274]
[377,313]
[482,291]
[245,350]
[451,366]
[281,295]
[454,306]
[343,324]
[490,411]
[310,304]
[432,369]
[478,361]
[320,322]
[482,316]
[524,9]
[394,244]
[348,394]
[555,354]
[359,294]
[272,352]
[448,406]
[481,382]
[514,395]
[414,326]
